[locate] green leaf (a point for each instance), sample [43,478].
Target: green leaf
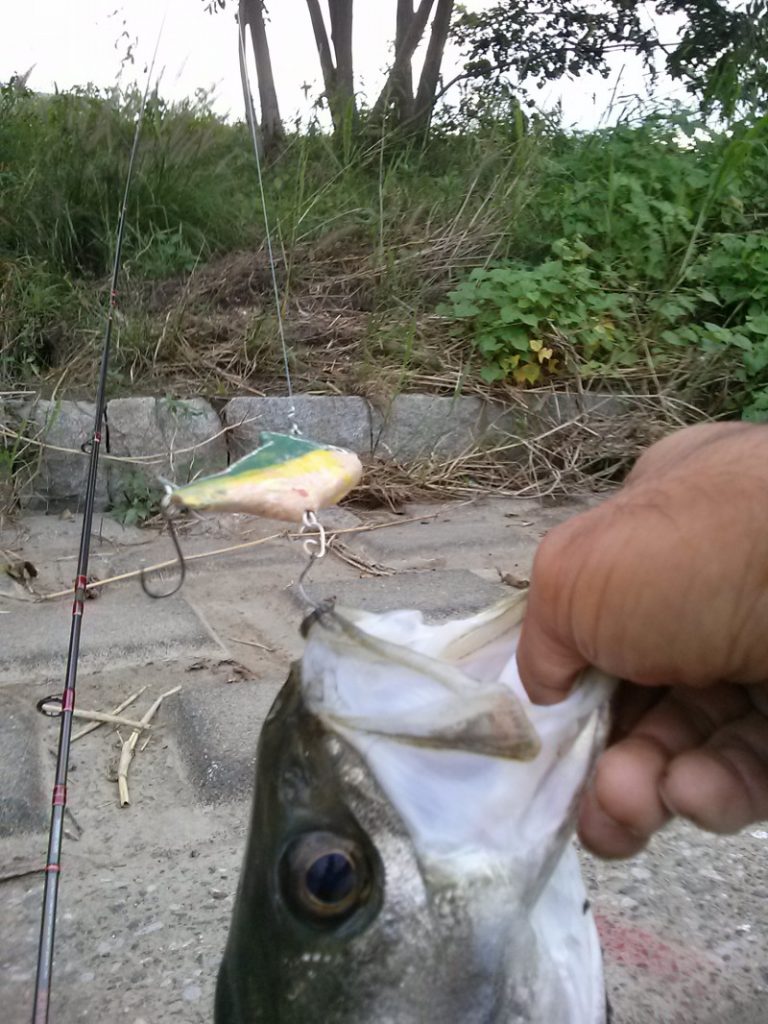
[491,373]
[757,324]
[464,309]
[509,314]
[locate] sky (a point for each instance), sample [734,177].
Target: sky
[80,41]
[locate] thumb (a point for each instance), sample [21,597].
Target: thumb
[548,666]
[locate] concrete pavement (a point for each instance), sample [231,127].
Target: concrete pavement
[147,890]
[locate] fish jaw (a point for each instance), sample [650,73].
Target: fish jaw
[472,901]
[423,949]
[473,802]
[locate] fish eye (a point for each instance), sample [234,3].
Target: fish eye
[325,876]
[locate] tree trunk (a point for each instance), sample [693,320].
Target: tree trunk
[402,83]
[251,13]
[341,34]
[411,39]
[430,73]
[323,46]
[338,74]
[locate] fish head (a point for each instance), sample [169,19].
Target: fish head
[395,871]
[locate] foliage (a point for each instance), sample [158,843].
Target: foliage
[548,40]
[524,318]
[38,307]
[720,54]
[139,499]
[64,164]
[615,249]
[661,249]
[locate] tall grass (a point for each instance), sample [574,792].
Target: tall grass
[666,218]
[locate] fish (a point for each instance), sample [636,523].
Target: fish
[410,856]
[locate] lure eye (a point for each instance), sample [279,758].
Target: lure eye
[325,876]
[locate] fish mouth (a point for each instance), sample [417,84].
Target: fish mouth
[440,716]
[408,857]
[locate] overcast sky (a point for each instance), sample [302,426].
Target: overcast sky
[80,41]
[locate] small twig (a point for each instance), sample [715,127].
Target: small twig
[163,565]
[115,711]
[126,754]
[100,717]
[250,643]
[358,561]
[21,872]
[134,573]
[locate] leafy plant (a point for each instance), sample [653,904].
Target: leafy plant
[522,318]
[139,499]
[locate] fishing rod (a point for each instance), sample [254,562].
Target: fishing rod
[67,699]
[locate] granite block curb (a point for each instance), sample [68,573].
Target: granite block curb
[181,439]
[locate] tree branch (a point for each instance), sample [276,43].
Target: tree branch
[323,45]
[411,40]
[430,73]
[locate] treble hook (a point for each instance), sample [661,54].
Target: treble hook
[180,561]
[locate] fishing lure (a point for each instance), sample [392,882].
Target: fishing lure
[285,477]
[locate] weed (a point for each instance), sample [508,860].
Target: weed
[139,499]
[520,317]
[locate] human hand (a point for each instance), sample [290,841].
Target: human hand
[666,585]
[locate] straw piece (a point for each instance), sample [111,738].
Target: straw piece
[366,528]
[115,711]
[100,717]
[126,754]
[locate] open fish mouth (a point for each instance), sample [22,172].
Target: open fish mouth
[409,857]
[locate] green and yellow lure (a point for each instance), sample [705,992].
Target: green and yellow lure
[283,478]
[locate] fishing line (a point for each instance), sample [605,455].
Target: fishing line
[67,699]
[251,118]
[287,476]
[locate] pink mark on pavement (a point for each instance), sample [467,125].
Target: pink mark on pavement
[633,946]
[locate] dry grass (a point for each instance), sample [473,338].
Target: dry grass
[590,452]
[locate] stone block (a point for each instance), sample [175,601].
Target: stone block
[217,728]
[183,436]
[535,411]
[343,421]
[421,426]
[23,806]
[60,471]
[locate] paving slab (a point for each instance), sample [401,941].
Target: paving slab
[147,890]
[23,806]
[217,734]
[684,928]
[118,629]
[439,593]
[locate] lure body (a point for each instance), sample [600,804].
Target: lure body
[282,479]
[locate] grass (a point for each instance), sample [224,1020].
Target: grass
[650,236]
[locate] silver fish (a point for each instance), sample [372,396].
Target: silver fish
[410,857]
